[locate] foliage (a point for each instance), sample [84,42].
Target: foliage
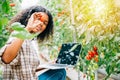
[100,29]
[62,28]
[6,12]
[95,24]
[21,32]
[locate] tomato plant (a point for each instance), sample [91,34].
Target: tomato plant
[96,25]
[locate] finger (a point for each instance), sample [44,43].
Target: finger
[33,17]
[36,23]
[36,16]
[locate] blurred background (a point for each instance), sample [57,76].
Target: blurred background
[93,23]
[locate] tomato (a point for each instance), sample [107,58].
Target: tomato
[94,48]
[59,14]
[91,53]
[88,57]
[95,52]
[12,4]
[96,58]
[42,19]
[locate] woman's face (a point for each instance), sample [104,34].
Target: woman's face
[40,22]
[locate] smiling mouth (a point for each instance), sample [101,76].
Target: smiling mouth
[38,29]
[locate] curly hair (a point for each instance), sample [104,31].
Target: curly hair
[25,14]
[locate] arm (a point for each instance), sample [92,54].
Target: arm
[12,50]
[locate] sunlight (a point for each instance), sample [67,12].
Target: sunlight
[28,3]
[99,7]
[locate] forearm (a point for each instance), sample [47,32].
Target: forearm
[12,50]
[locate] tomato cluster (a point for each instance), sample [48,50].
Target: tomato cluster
[92,54]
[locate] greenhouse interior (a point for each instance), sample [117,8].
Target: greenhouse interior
[94,25]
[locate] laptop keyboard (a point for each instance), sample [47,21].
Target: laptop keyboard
[58,65]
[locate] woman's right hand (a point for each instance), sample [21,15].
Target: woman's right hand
[32,22]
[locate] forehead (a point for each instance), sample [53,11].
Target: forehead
[42,14]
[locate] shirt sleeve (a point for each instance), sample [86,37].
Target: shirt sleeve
[15,60]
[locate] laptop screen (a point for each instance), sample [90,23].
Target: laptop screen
[69,53]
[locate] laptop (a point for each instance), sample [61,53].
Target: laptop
[67,57]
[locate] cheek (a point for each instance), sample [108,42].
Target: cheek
[43,28]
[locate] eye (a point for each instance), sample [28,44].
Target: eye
[46,23]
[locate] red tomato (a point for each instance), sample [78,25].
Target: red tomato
[95,52]
[94,48]
[12,4]
[88,57]
[42,19]
[91,53]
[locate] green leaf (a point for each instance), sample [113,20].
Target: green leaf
[18,34]
[21,32]
[23,35]
[17,26]
[3,39]
[4,20]
[5,6]
[1,25]
[107,69]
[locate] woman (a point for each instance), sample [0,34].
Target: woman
[18,56]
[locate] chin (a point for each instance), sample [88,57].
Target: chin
[36,31]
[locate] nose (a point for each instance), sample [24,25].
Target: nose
[40,24]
